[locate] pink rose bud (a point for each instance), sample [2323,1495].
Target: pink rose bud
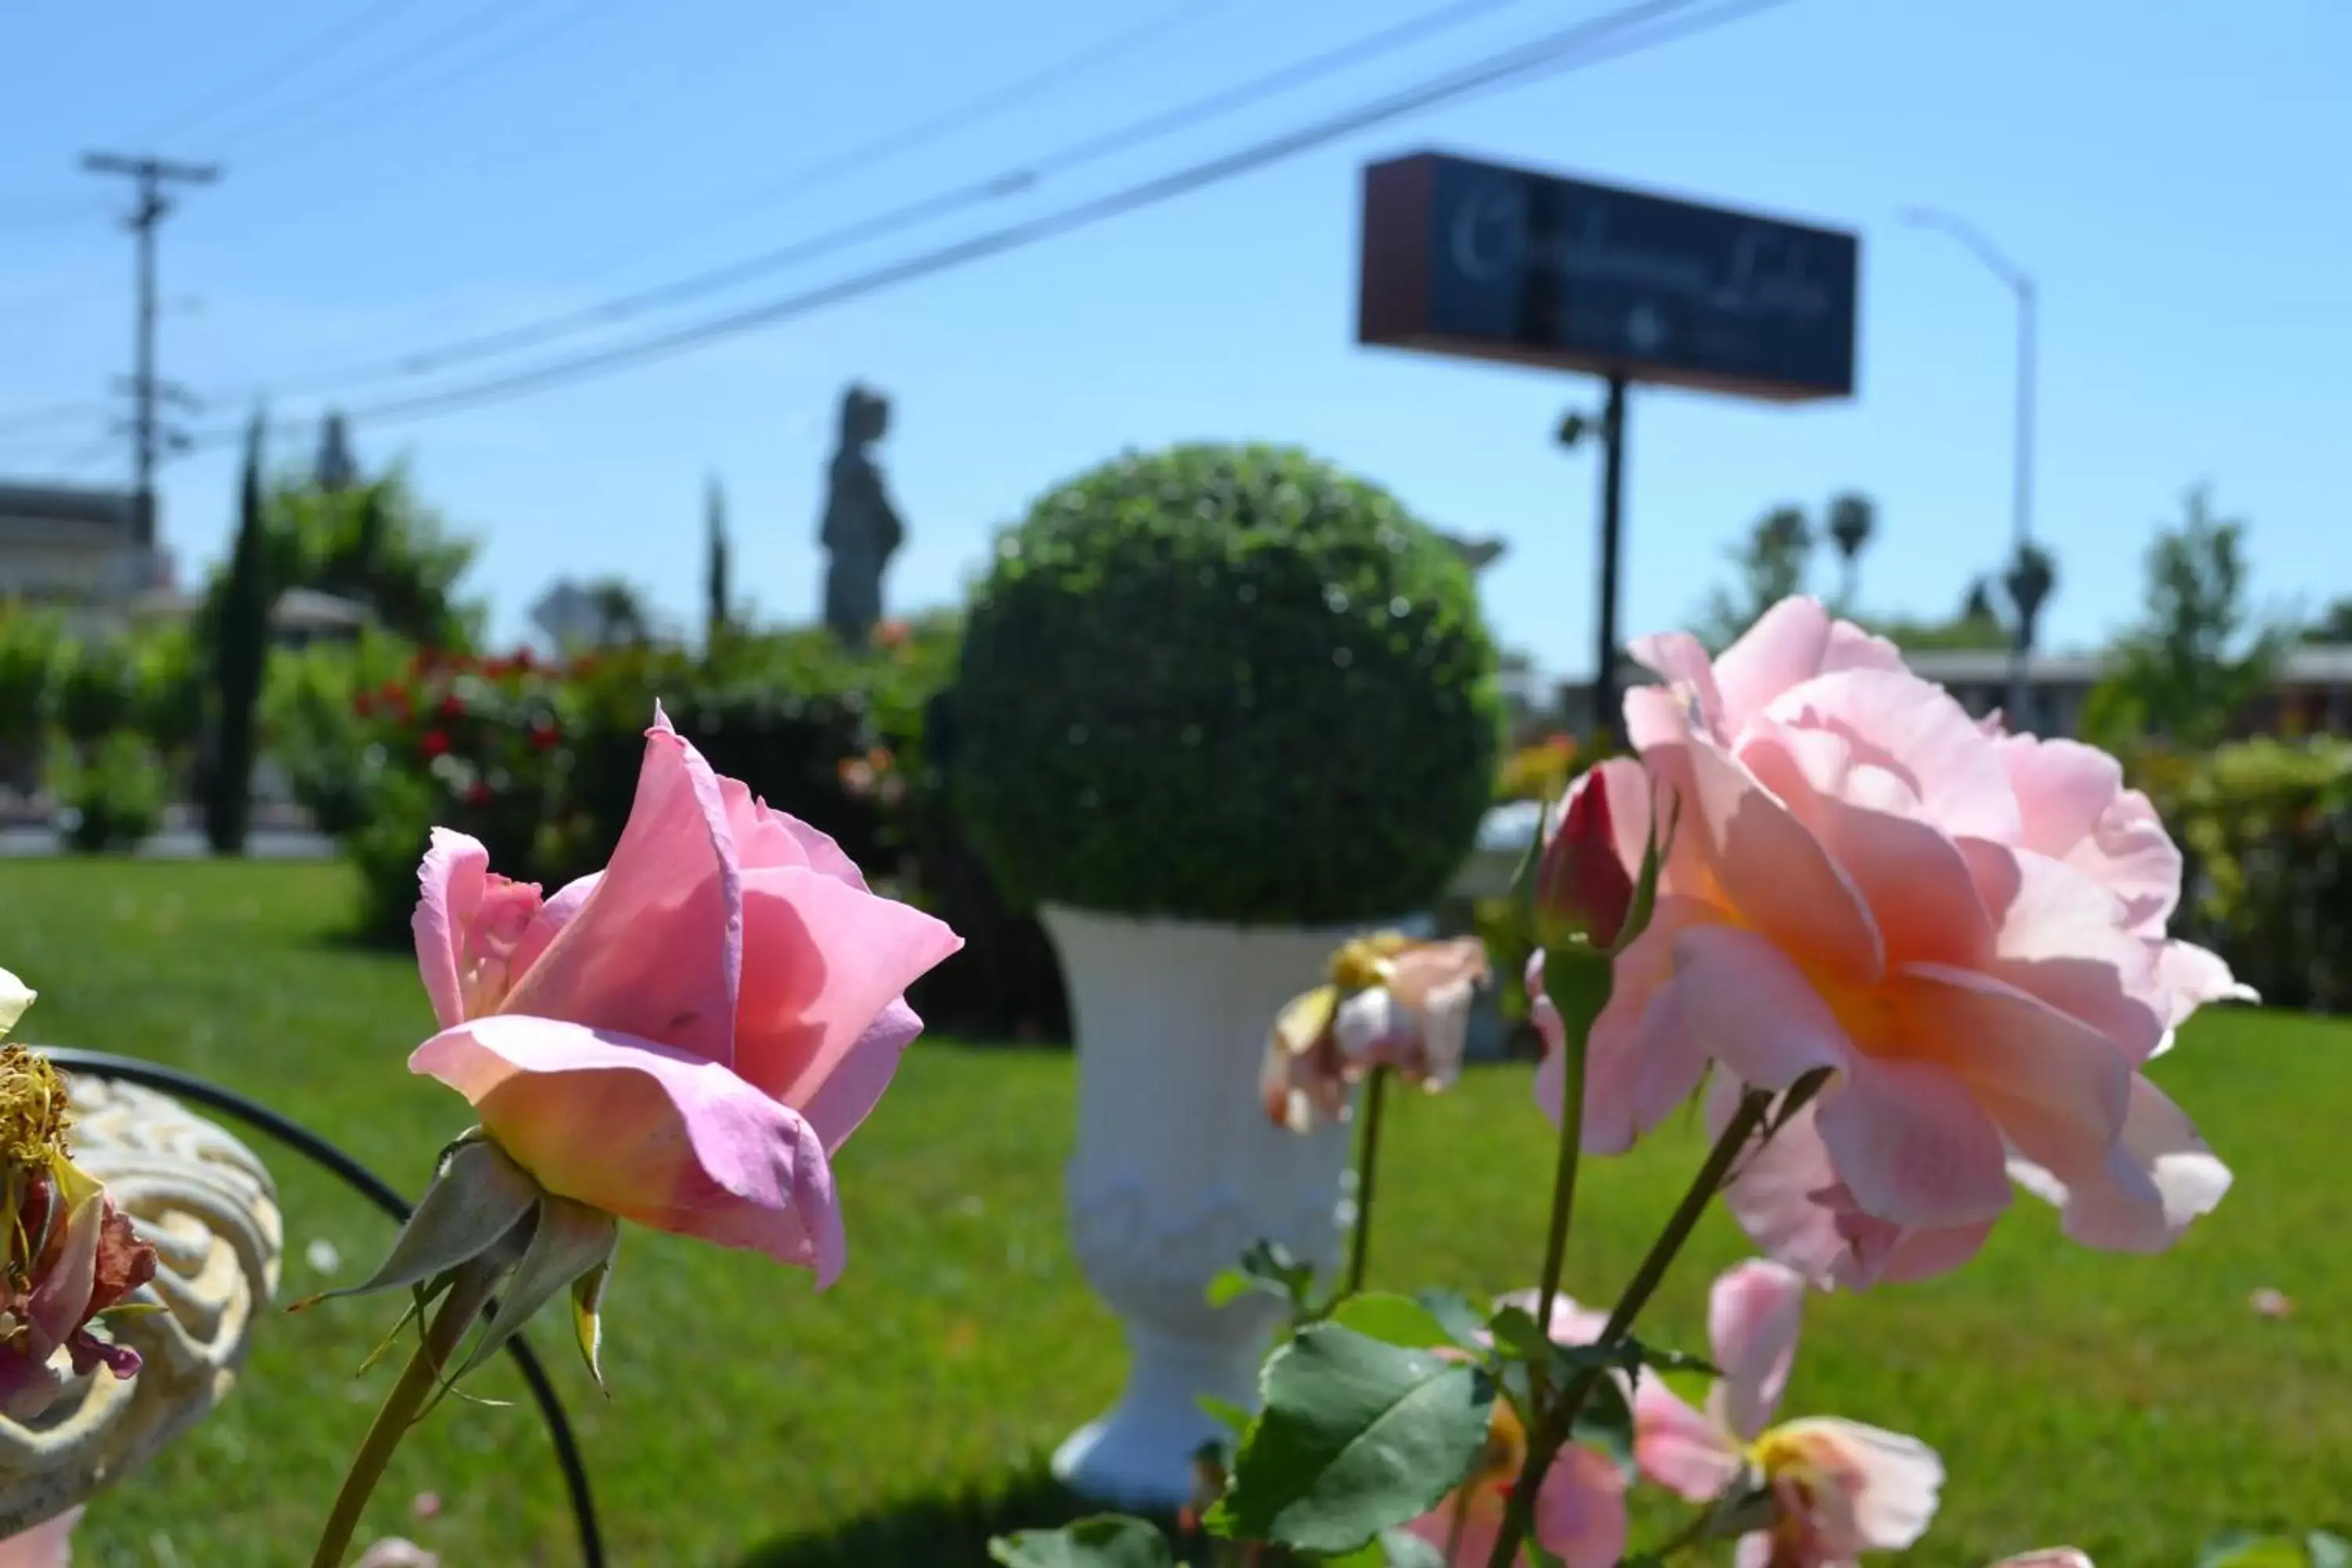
[1582,888]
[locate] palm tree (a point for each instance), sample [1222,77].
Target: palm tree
[1853,516]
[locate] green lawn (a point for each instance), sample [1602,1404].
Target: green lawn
[2130,1406]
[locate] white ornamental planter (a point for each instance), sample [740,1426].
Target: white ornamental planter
[1178,1170]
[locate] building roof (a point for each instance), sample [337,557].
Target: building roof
[66,514]
[1970,666]
[297,609]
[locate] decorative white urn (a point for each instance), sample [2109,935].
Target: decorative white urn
[1178,1170]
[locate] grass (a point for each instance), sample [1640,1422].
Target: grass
[2132,1407]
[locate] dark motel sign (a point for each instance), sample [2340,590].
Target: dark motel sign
[1477,260]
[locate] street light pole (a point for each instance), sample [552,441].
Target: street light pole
[2021,502]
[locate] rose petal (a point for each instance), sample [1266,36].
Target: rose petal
[1752,1009]
[450,882]
[1788,1199]
[1680,1449]
[1914,880]
[1871,1490]
[2187,978]
[15,997]
[554,916]
[657,949]
[1753,1312]
[647,1132]
[1769,866]
[1915,729]
[1642,1060]
[1913,1144]
[48,1544]
[1785,648]
[2055,1086]
[827,959]
[2159,1176]
[1581,1509]
[766,837]
[2063,937]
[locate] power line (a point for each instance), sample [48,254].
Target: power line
[1091,149]
[1587,44]
[1021,92]
[295,60]
[317,117]
[551,29]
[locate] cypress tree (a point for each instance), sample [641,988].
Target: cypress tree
[240,653]
[714,615]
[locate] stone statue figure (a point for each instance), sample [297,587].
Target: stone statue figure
[861,530]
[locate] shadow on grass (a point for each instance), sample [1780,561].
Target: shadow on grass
[951,1530]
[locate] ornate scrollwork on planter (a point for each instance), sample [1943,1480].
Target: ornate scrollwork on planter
[1152,1265]
[210,1209]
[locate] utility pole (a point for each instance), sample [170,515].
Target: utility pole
[147,431]
[1602,725]
[2028,576]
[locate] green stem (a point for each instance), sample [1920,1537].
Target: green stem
[1368,1158]
[467,1295]
[1559,1421]
[1575,1034]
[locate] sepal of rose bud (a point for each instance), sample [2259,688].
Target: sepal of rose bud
[570,1243]
[480,1203]
[1583,893]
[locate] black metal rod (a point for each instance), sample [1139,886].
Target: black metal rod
[1612,507]
[368,1184]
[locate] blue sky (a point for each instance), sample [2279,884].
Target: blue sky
[2169,172]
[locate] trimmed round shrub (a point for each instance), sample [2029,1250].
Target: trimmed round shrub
[1225,684]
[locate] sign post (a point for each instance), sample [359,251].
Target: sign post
[1481,261]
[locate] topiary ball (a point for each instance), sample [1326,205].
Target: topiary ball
[1226,684]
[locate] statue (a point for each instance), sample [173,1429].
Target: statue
[861,530]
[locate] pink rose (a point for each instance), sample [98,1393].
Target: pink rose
[1839,1488]
[1965,928]
[1394,1002]
[686,1038]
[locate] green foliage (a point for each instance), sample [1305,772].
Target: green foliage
[32,647]
[540,760]
[1105,1541]
[1357,1436]
[1181,661]
[1962,631]
[2197,656]
[2243,1548]
[718,615]
[1769,565]
[116,795]
[2266,826]
[97,690]
[376,543]
[1393,1320]
[2331,626]
[315,712]
[168,687]
[1267,1268]
[239,650]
